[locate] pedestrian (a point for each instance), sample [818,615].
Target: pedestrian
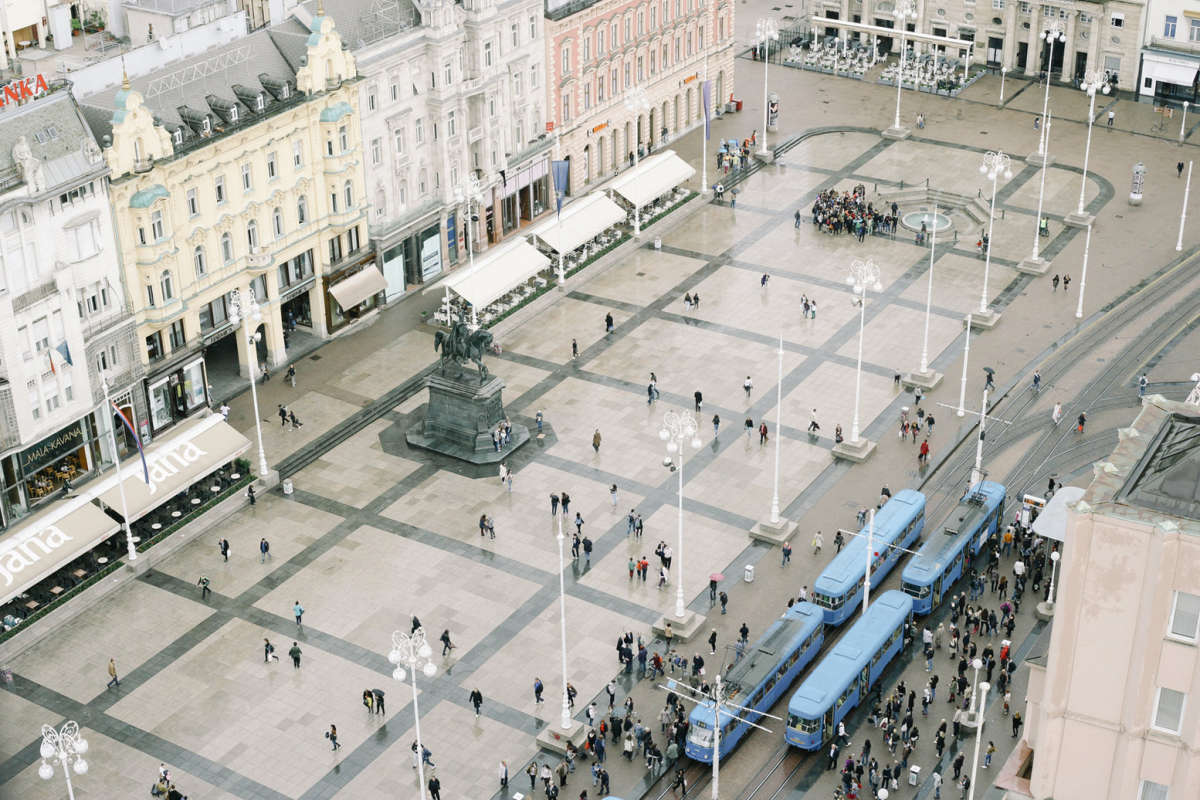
[223,547]
[749,428]
[1057,414]
[787,553]
[447,645]
[1037,381]
[250,496]
[716,421]
[929,423]
[1066,282]
[763,281]
[538,688]
[813,427]
[205,591]
[476,698]
[965,783]
[295,653]
[1112,116]
[292,418]
[596,441]
[712,642]
[268,651]
[699,398]
[298,612]
[723,599]
[818,542]
[224,409]
[331,734]
[748,385]
[435,788]
[566,503]
[574,349]
[291,375]
[553,504]
[378,695]
[503,775]
[612,495]
[1179,170]
[282,415]
[587,553]
[838,541]
[987,756]
[1016,723]
[1142,383]
[112,674]
[578,523]
[1080,422]
[608,322]
[923,458]
[540,419]
[1054,282]
[762,433]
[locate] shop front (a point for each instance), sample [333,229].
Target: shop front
[174,395]
[295,278]
[525,195]
[353,292]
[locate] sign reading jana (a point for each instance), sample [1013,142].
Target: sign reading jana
[23,89]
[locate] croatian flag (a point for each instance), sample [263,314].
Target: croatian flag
[136,438]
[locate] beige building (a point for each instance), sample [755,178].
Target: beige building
[232,171]
[1114,712]
[599,54]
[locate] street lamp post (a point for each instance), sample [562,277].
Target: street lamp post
[1003,73]
[976,665]
[995,164]
[108,409]
[67,747]
[778,437]
[1094,81]
[962,389]
[863,275]
[246,310]
[1187,187]
[870,557]
[1183,122]
[905,10]
[562,620]
[679,429]
[409,650]
[1087,243]
[1035,264]
[469,192]
[1055,32]
[1054,558]
[983,689]
[977,472]
[636,102]
[928,378]
[764,33]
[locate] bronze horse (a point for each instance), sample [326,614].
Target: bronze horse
[458,345]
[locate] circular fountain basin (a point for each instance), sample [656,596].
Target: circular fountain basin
[933,222]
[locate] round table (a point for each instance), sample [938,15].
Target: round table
[176,514]
[137,539]
[215,488]
[101,560]
[156,526]
[195,501]
[235,476]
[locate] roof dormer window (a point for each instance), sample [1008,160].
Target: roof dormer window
[233,114]
[285,91]
[260,103]
[206,126]
[177,136]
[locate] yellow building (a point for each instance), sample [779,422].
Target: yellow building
[234,171]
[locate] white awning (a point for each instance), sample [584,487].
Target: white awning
[1164,69]
[499,271]
[652,178]
[580,222]
[50,541]
[365,283]
[1052,522]
[174,464]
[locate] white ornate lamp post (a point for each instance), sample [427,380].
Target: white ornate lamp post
[778,437]
[1187,188]
[1034,264]
[977,473]
[983,690]
[1183,122]
[470,192]
[994,165]
[765,32]
[925,377]
[109,409]
[864,276]
[409,650]
[565,724]
[1003,73]
[637,104]
[1055,32]
[906,11]
[679,428]
[1087,244]
[1054,558]
[962,389]
[1094,81]
[67,747]
[246,311]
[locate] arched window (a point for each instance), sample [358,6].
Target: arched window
[199,261]
[168,290]
[252,234]
[277,221]
[349,195]
[227,247]
[302,210]
[380,201]
[344,138]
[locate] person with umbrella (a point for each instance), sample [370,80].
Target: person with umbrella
[991,382]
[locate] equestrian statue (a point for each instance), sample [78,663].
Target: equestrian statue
[460,344]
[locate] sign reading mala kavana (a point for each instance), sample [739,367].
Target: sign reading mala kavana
[52,448]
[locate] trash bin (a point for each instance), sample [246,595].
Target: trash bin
[658,243]
[738,104]
[914,775]
[749,576]
[287,485]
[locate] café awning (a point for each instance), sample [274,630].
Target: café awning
[1052,522]
[1166,69]
[652,178]
[48,542]
[499,271]
[358,287]
[174,464]
[580,222]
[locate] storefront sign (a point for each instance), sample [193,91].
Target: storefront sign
[21,557]
[550,126]
[690,78]
[23,89]
[53,448]
[47,542]
[600,127]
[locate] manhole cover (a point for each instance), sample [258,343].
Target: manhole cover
[983,133]
[315,358]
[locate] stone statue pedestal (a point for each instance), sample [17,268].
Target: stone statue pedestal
[460,418]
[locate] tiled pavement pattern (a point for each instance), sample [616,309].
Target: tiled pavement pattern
[375,532]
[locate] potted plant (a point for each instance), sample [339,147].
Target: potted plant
[76,27]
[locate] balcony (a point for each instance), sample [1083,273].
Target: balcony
[10,436]
[143,164]
[1176,45]
[258,259]
[41,291]
[475,134]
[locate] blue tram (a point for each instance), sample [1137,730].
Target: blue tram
[758,680]
[943,559]
[843,677]
[838,589]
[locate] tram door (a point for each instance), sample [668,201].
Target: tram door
[937,590]
[864,682]
[827,728]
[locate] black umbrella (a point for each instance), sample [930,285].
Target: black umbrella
[989,370]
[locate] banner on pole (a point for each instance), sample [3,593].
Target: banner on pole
[560,172]
[706,95]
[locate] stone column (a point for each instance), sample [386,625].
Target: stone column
[247,361]
[845,16]
[868,12]
[1009,56]
[273,324]
[1033,58]
[1068,65]
[1094,44]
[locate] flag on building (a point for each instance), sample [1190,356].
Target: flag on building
[137,439]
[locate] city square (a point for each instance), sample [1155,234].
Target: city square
[369,533]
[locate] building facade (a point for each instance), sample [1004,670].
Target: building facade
[449,92]
[150,20]
[1170,52]
[234,172]
[601,53]
[1128,600]
[62,304]
[1099,34]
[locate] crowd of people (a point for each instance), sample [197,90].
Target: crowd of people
[849,212]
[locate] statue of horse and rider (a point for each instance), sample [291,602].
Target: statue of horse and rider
[460,344]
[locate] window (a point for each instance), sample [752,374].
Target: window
[376,151]
[399,137]
[371,100]
[448,73]
[587,96]
[150,296]
[1117,20]
[252,234]
[1152,791]
[214,314]
[1113,65]
[487,54]
[301,210]
[533,77]
[335,249]
[333,202]
[566,60]
[329,147]
[1185,616]
[452,123]
[587,50]
[1168,710]
[297,154]
[352,240]
[1194,30]
[628,76]
[652,55]
[156,225]
[653,17]
[532,28]
[344,138]
[219,185]
[168,286]
[517,84]
[199,261]
[422,179]
[176,335]
[348,194]
[600,42]
[566,107]
[277,222]
[1169,27]
[641,22]
[395,92]
[154,346]
[640,69]
[177,136]
[600,90]
[628,29]
[193,203]
[998,5]
[227,248]
[247,183]
[516,35]
[419,127]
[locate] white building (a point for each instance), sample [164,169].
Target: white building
[1170,52]
[63,317]
[448,90]
[150,20]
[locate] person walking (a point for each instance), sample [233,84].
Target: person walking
[1037,381]
[762,433]
[1066,282]
[435,788]
[203,583]
[251,496]
[1054,282]
[223,547]
[712,642]
[112,674]
[578,523]
[748,385]
[818,542]
[553,504]
[608,322]
[813,427]
[378,695]
[596,441]
[291,375]
[264,550]
[1179,170]
[1112,117]
[447,645]
[298,613]
[699,398]
[538,688]
[716,421]
[787,553]
[295,653]
[1057,414]
[1080,422]
[723,599]
[923,457]
[574,349]
[332,735]
[503,775]
[1142,383]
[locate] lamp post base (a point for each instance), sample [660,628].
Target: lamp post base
[1077,220]
[765,156]
[927,380]
[682,629]
[554,738]
[1034,266]
[773,533]
[1039,159]
[896,132]
[270,480]
[971,720]
[857,452]
[1044,610]
[984,320]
